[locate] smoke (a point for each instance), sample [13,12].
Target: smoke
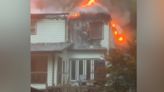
[121,11]
[53,6]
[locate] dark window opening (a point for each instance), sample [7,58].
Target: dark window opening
[88,69]
[80,67]
[95,31]
[86,33]
[59,77]
[73,70]
[39,69]
[33,28]
[100,70]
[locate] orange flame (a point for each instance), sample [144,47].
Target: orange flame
[74,15]
[89,3]
[119,36]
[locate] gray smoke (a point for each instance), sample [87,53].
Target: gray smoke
[53,6]
[120,10]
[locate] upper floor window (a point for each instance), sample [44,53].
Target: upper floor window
[33,28]
[95,31]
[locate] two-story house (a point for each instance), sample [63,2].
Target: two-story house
[68,50]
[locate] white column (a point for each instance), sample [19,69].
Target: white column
[67,71]
[70,76]
[77,69]
[85,67]
[55,70]
[49,70]
[92,69]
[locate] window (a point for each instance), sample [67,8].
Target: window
[73,70]
[100,70]
[59,71]
[33,28]
[88,69]
[39,68]
[81,69]
[95,31]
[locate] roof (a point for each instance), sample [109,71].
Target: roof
[49,47]
[95,9]
[49,15]
[94,12]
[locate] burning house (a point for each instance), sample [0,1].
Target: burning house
[68,48]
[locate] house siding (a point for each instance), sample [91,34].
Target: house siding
[86,54]
[54,31]
[105,41]
[49,31]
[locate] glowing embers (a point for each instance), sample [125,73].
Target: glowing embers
[88,3]
[119,36]
[74,15]
[115,32]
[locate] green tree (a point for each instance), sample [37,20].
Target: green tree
[121,70]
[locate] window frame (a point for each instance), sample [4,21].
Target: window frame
[77,74]
[102,30]
[37,70]
[33,28]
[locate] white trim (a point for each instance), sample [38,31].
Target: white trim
[77,74]
[55,70]
[49,70]
[59,63]
[85,68]
[38,86]
[70,69]
[77,69]
[62,71]
[92,69]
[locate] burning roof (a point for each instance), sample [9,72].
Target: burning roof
[91,10]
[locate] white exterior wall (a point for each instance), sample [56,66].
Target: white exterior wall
[86,54]
[49,31]
[105,41]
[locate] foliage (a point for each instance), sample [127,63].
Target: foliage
[122,70]
[122,62]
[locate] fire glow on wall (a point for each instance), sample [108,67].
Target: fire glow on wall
[118,34]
